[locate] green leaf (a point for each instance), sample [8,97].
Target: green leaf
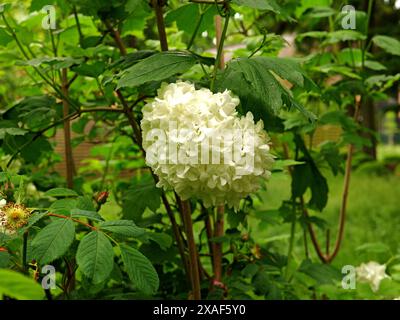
[54,62]
[321,12]
[250,270]
[300,179]
[35,217]
[343,35]
[307,4]
[162,239]
[130,59]
[157,67]
[330,152]
[17,286]
[4,259]
[63,206]
[309,176]
[90,70]
[270,5]
[338,117]
[132,5]
[374,65]
[140,270]
[281,164]
[85,203]
[382,81]
[375,247]
[143,194]
[186,15]
[389,44]
[5,38]
[312,34]
[256,82]
[37,5]
[95,256]
[53,240]
[12,132]
[322,273]
[126,228]
[61,192]
[91,215]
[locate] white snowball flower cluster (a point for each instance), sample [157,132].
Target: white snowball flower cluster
[204,149]
[372,273]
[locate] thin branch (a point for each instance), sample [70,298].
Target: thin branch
[69,159]
[209,231]
[160,25]
[175,229]
[217,246]
[38,71]
[196,29]
[138,135]
[25,266]
[131,119]
[219,61]
[342,217]
[314,239]
[73,219]
[193,255]
[313,235]
[73,78]
[117,37]
[78,24]
[346,186]
[74,115]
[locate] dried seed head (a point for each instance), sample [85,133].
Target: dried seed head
[12,217]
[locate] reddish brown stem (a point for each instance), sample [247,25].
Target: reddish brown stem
[328,242]
[346,186]
[217,247]
[117,38]
[132,121]
[138,135]
[138,138]
[176,231]
[193,255]
[313,235]
[160,25]
[67,131]
[209,232]
[73,219]
[218,32]
[343,209]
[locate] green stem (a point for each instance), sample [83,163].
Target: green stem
[291,241]
[364,49]
[193,254]
[220,50]
[196,30]
[112,239]
[78,24]
[24,252]
[38,71]
[107,166]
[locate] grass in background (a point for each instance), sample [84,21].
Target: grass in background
[373,216]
